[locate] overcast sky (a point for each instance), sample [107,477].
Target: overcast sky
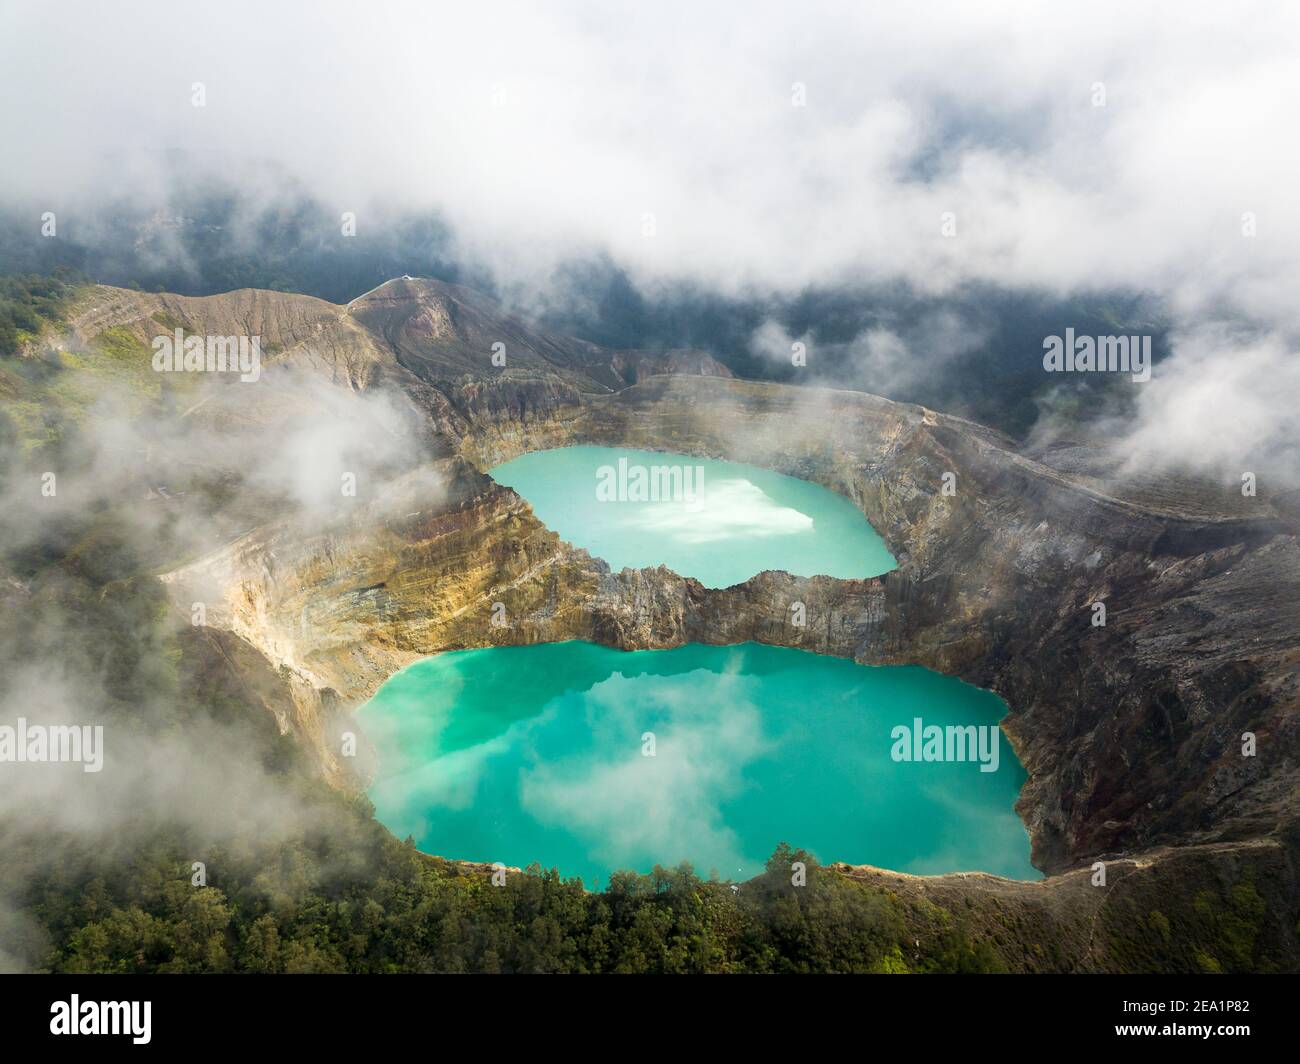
[545,131]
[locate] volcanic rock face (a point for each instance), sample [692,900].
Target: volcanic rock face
[1132,732]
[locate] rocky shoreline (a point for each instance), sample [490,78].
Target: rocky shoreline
[1131,733]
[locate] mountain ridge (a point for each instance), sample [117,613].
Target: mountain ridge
[1128,735]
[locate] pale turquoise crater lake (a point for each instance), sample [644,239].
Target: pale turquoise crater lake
[592,760]
[720,522]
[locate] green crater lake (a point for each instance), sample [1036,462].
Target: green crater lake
[720,522]
[541,753]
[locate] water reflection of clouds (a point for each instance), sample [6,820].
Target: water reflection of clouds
[729,510]
[735,731]
[451,781]
[448,782]
[971,837]
[625,806]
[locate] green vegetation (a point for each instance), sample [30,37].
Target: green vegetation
[47,395]
[331,889]
[328,888]
[1213,924]
[354,899]
[29,302]
[166,320]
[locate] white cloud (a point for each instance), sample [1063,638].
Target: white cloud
[1226,405]
[686,114]
[547,132]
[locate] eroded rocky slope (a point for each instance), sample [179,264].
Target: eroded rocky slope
[1131,733]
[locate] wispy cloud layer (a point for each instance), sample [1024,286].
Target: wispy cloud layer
[545,130]
[748,149]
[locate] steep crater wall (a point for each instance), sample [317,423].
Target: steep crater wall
[1130,732]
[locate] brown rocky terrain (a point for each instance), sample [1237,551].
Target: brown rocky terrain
[1131,733]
